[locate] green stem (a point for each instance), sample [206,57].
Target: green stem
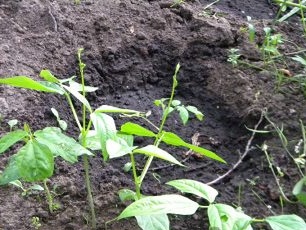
[84,131]
[89,192]
[160,130]
[291,4]
[136,179]
[73,111]
[49,196]
[276,179]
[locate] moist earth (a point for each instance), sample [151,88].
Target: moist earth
[131,49]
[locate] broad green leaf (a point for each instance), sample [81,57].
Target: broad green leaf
[26,83]
[78,87]
[113,109]
[48,76]
[105,128]
[60,144]
[115,149]
[173,139]
[127,195]
[204,152]
[153,222]
[92,140]
[286,222]
[53,86]
[184,115]
[225,217]
[215,221]
[35,162]
[78,96]
[156,205]
[129,139]
[11,172]
[299,190]
[135,129]
[152,150]
[195,111]
[195,187]
[11,138]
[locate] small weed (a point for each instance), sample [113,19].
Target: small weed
[26,191]
[35,222]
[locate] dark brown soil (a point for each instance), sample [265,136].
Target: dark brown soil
[131,49]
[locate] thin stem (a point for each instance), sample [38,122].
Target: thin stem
[276,179]
[89,192]
[284,144]
[84,131]
[136,180]
[49,196]
[291,4]
[73,111]
[160,130]
[303,19]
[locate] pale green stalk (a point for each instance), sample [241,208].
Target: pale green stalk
[159,134]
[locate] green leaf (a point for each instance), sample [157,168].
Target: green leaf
[62,123]
[127,166]
[205,152]
[299,191]
[152,150]
[78,96]
[176,103]
[48,76]
[127,195]
[60,144]
[195,111]
[53,86]
[153,222]
[11,172]
[135,129]
[164,204]
[300,60]
[35,162]
[36,187]
[215,221]
[92,140]
[195,187]
[12,123]
[105,128]
[225,217]
[78,87]
[17,183]
[11,138]
[113,109]
[173,139]
[184,115]
[115,149]
[286,222]
[26,83]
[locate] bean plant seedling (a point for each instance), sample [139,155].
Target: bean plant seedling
[34,162]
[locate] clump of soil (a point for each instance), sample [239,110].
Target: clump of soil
[131,49]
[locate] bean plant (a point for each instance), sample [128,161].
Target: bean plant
[34,162]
